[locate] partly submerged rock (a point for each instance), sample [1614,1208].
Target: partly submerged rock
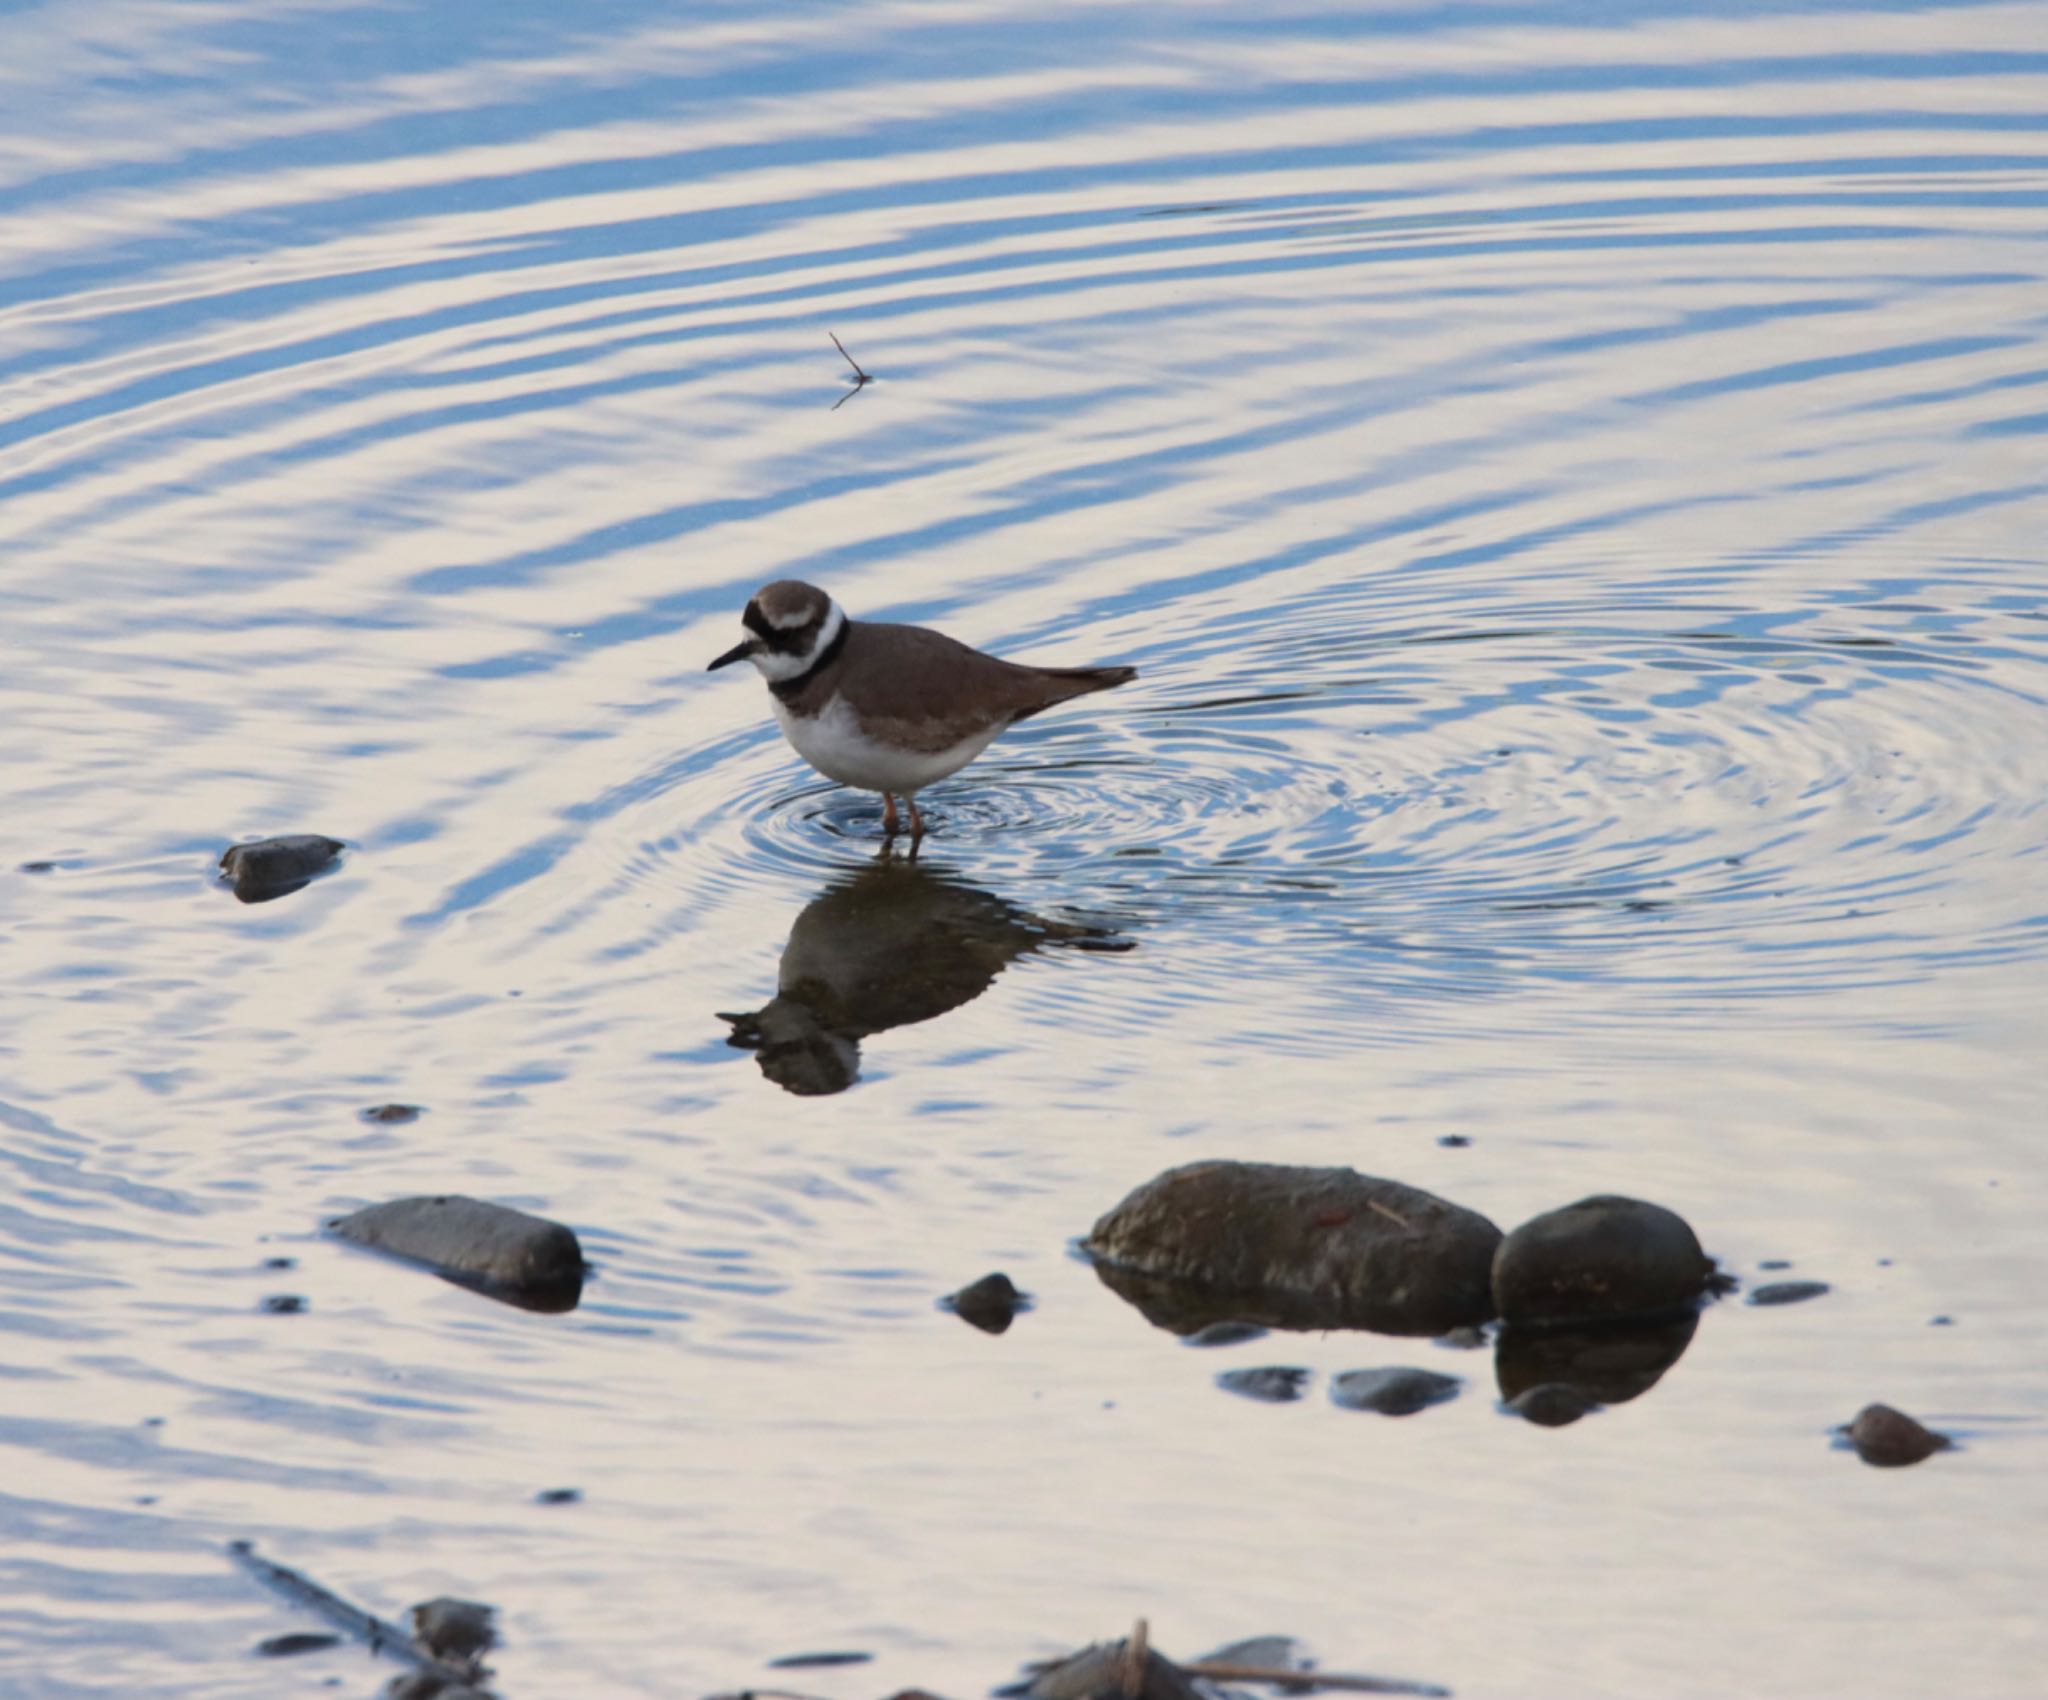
[1889,1438]
[1599,1258]
[990,1304]
[459,1632]
[1269,1384]
[1289,1247]
[1393,1392]
[275,867]
[1605,1363]
[500,1252]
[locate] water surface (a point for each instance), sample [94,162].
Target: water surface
[1574,491]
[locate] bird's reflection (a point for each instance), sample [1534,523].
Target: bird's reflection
[893,943]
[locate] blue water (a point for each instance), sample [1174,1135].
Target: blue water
[1572,486]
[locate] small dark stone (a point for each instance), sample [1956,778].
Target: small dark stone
[558,1496]
[1270,1384]
[1941,1322]
[818,1661]
[1552,1404]
[460,1631]
[299,1641]
[1786,1292]
[1396,1392]
[1292,1247]
[39,867]
[492,1249]
[1889,1438]
[282,1304]
[990,1304]
[1455,1141]
[1600,1258]
[1775,1263]
[276,867]
[1225,1334]
[280,1263]
[390,1113]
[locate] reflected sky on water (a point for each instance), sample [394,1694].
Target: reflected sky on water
[1572,487]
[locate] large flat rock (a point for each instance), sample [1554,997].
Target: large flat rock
[1294,1247]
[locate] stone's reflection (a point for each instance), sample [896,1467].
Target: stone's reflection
[891,944]
[1606,1363]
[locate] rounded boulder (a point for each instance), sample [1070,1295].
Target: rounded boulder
[1599,1259]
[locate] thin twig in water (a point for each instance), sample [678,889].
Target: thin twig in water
[1307,1679]
[861,379]
[859,376]
[379,1635]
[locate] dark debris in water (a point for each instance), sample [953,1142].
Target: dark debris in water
[389,1113]
[818,1661]
[283,1304]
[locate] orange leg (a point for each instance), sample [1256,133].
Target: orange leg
[916,820]
[889,826]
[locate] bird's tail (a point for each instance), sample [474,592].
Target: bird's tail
[1066,683]
[1085,679]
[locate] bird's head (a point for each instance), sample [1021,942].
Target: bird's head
[789,626]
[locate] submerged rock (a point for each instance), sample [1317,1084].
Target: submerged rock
[1786,1292]
[1599,1258]
[1605,1363]
[295,1642]
[990,1304]
[1890,1439]
[276,867]
[1224,1334]
[1290,1247]
[1395,1392]
[500,1252]
[1270,1384]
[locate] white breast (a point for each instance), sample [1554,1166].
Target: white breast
[833,743]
